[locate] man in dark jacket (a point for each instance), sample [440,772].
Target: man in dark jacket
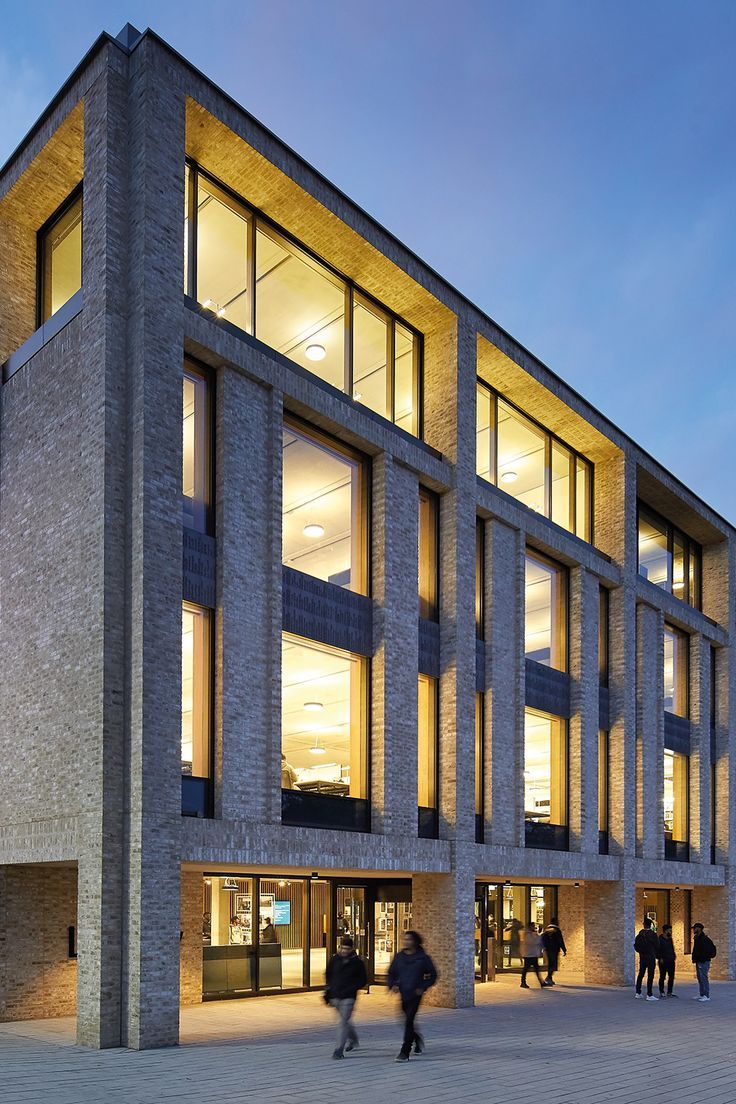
[411,974]
[346,974]
[646,945]
[553,942]
[667,958]
[704,950]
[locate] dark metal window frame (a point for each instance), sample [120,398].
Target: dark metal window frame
[480,766]
[434,501]
[42,236]
[564,572]
[253,215]
[207,810]
[428,818]
[692,550]
[558,833]
[480,577]
[193,367]
[549,438]
[679,634]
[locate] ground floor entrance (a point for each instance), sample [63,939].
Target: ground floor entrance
[502,912]
[267,933]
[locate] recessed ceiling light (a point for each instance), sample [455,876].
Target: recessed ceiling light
[313,530]
[315,352]
[316,750]
[313,706]
[509,477]
[357,395]
[207,304]
[220,312]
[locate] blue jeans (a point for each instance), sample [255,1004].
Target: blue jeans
[345,1030]
[701,970]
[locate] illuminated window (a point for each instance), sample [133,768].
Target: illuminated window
[324,739]
[324,530]
[603,776]
[428,549]
[196,691]
[252,275]
[60,255]
[427,744]
[197,445]
[545,769]
[545,620]
[603,630]
[668,558]
[479,768]
[531,464]
[480,571]
[676,784]
[676,671]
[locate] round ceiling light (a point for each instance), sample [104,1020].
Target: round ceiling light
[316,750]
[316,352]
[313,706]
[314,530]
[509,477]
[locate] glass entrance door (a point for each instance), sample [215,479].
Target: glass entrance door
[351,917]
[391,920]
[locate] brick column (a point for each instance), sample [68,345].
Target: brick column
[190,947]
[394,670]
[442,912]
[649,733]
[700,750]
[609,931]
[583,726]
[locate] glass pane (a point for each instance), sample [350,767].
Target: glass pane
[196,452]
[602,781]
[545,769]
[281,934]
[521,447]
[195,691]
[675,671]
[479,577]
[370,357]
[405,383]
[676,796]
[483,432]
[322,503]
[323,718]
[561,486]
[654,558]
[583,527]
[694,562]
[515,917]
[187,227]
[300,307]
[222,255]
[427,555]
[228,965]
[545,613]
[391,920]
[351,918]
[603,608]
[679,572]
[427,762]
[479,754]
[62,260]
[318,931]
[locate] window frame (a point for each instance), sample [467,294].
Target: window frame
[564,599]
[42,235]
[433,684]
[693,555]
[207,780]
[684,639]
[208,377]
[352,290]
[550,438]
[480,578]
[433,507]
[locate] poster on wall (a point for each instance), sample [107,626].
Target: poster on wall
[282,912]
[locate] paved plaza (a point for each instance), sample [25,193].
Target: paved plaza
[573,1045]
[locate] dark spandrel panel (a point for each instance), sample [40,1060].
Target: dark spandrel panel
[677,733]
[604,708]
[196,796]
[429,648]
[479,832]
[676,850]
[547,690]
[314,810]
[199,558]
[321,611]
[480,666]
[427,823]
[547,837]
[603,843]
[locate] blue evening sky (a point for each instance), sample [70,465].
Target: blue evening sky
[570,165]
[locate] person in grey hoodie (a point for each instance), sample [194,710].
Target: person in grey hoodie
[532,950]
[411,974]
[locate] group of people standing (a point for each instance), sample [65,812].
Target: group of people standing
[659,950]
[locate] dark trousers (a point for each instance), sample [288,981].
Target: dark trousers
[410,1007]
[553,963]
[530,964]
[666,973]
[646,966]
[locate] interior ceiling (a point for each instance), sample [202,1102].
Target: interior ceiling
[317,490]
[316,675]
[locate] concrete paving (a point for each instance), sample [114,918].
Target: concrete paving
[575,1044]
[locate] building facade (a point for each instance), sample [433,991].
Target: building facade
[325,606]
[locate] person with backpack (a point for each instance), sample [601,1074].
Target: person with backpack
[646,946]
[411,974]
[346,974]
[553,942]
[704,951]
[667,959]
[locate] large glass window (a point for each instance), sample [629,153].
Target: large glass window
[196,459]
[428,554]
[603,775]
[676,671]
[324,528]
[246,271]
[196,691]
[676,813]
[603,637]
[427,751]
[324,741]
[545,777]
[60,256]
[531,464]
[479,768]
[668,558]
[480,575]
[545,622]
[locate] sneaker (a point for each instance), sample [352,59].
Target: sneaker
[672,996]
[652,998]
[638,996]
[352,1044]
[523,985]
[401,1057]
[703,1000]
[337,1054]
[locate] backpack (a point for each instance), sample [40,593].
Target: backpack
[641,943]
[711,947]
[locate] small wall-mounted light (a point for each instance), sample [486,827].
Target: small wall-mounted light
[314,875]
[577,885]
[507,882]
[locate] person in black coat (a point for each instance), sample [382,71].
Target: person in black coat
[646,946]
[411,974]
[704,951]
[346,974]
[553,942]
[667,959]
